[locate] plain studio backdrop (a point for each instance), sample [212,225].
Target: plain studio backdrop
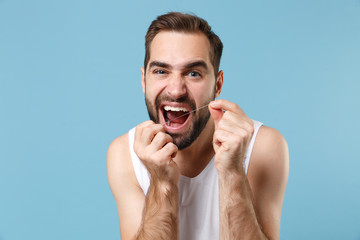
[70,84]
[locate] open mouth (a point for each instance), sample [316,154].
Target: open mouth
[175,117]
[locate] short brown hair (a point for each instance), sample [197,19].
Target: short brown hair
[187,23]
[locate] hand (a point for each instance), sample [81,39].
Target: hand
[156,150]
[233,132]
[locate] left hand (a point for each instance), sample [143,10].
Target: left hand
[233,132]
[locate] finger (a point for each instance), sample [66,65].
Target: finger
[232,139]
[216,114]
[231,122]
[226,105]
[144,134]
[150,132]
[139,128]
[139,131]
[168,151]
[160,140]
[220,137]
[145,124]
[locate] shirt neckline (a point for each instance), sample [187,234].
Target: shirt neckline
[201,174]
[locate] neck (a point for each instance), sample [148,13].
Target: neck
[193,159]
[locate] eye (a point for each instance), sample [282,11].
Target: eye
[194,74]
[159,71]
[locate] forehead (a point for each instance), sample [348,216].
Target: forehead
[176,48]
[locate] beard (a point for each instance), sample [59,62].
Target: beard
[198,121]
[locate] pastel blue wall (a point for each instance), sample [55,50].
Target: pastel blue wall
[70,84]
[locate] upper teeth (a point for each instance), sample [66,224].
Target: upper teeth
[175,109]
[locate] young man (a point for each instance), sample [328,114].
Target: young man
[199,169]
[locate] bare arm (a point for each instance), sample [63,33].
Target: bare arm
[160,217]
[268,174]
[153,216]
[237,214]
[247,214]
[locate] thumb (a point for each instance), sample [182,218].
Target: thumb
[216,113]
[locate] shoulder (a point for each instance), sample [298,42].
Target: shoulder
[270,141]
[267,175]
[119,165]
[118,153]
[270,157]
[119,144]
[126,190]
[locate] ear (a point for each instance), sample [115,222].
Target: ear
[219,83]
[143,79]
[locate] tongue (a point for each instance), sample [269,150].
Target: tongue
[176,117]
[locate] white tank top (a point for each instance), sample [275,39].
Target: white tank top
[198,196]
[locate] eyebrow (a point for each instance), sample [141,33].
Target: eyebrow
[187,66]
[158,64]
[197,64]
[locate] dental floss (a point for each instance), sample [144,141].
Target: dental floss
[168,121]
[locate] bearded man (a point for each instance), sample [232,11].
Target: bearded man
[200,168]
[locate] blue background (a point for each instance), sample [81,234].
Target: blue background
[70,84]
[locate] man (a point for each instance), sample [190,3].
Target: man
[199,169]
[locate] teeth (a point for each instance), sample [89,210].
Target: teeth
[175,109]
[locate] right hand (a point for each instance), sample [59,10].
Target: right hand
[156,149]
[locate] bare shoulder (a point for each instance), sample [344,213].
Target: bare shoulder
[118,156]
[270,151]
[268,174]
[119,165]
[126,190]
[118,147]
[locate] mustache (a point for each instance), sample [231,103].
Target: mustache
[185,100]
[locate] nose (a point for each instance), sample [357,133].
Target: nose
[176,87]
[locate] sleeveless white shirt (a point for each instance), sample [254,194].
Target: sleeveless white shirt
[198,196]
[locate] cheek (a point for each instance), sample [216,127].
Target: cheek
[202,92]
[153,89]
